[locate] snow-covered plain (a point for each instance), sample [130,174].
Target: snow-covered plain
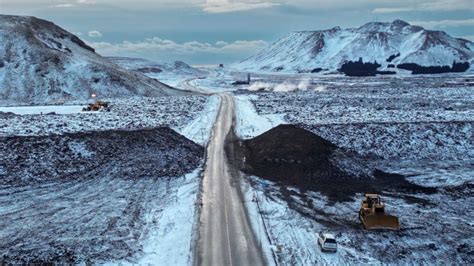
[433,231]
[420,127]
[31,110]
[401,118]
[98,197]
[130,113]
[217,80]
[107,204]
[101,220]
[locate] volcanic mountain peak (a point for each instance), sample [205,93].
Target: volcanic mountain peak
[41,62]
[304,51]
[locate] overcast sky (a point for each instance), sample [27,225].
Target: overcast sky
[215,31]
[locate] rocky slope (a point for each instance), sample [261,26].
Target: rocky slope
[390,44]
[41,62]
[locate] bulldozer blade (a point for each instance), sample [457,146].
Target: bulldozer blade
[372,222]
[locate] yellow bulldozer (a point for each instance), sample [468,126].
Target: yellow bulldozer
[97,106]
[372,214]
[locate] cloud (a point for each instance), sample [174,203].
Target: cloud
[64,5]
[95,34]
[441,24]
[74,3]
[225,6]
[430,6]
[383,10]
[448,5]
[192,52]
[158,45]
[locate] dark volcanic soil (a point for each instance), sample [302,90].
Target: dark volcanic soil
[132,154]
[88,198]
[292,156]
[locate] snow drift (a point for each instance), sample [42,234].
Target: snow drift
[41,62]
[389,44]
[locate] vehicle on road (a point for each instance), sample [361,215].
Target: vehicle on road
[327,242]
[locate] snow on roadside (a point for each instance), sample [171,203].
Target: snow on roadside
[199,129]
[257,223]
[170,243]
[295,234]
[248,122]
[168,236]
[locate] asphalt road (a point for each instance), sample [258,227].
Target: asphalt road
[185,85]
[225,234]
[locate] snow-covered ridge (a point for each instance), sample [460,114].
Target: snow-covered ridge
[41,62]
[388,43]
[172,73]
[148,66]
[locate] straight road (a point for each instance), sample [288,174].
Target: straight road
[225,234]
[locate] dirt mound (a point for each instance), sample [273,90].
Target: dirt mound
[288,143]
[292,156]
[128,154]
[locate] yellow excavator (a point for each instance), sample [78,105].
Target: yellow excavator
[372,214]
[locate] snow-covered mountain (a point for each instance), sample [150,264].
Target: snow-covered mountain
[41,62]
[156,68]
[170,73]
[387,43]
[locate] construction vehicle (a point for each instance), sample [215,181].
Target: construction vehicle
[97,106]
[372,214]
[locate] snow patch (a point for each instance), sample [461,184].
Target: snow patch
[199,129]
[170,242]
[248,122]
[30,110]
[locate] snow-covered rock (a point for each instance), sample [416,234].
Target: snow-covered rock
[387,43]
[41,62]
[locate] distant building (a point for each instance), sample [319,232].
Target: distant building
[243,82]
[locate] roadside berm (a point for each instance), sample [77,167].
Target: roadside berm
[294,157]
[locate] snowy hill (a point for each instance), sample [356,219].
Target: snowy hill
[389,44]
[170,73]
[41,62]
[150,67]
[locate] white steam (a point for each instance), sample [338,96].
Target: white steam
[304,84]
[286,86]
[256,86]
[319,88]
